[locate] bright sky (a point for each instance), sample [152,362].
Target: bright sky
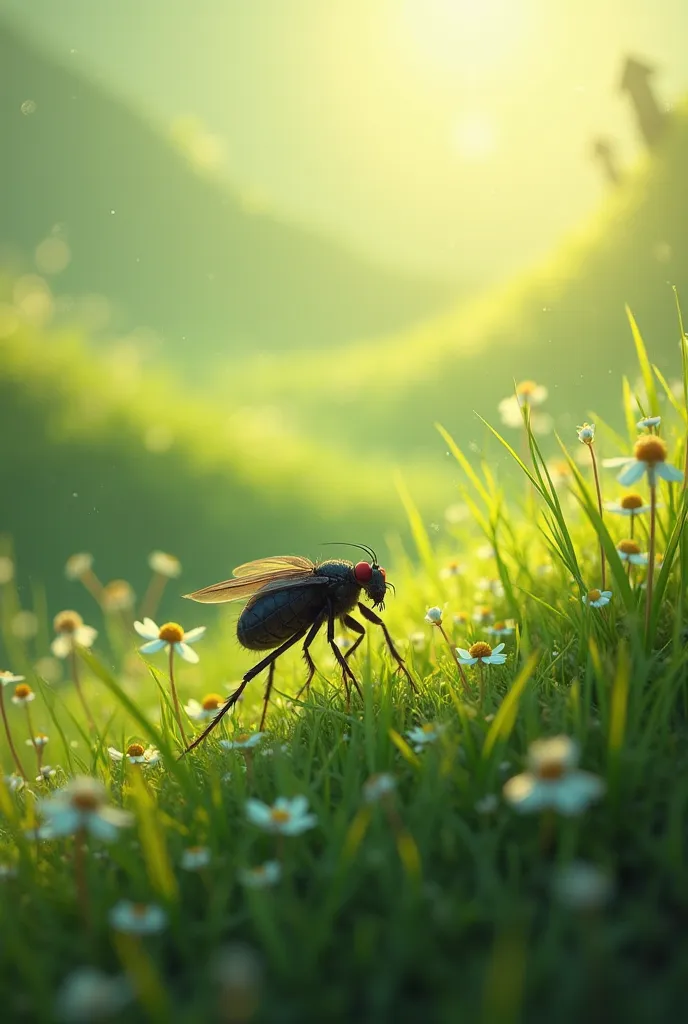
[451,136]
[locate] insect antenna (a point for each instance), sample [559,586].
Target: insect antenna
[350,544]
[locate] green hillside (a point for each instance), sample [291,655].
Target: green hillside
[563,323]
[172,249]
[102,458]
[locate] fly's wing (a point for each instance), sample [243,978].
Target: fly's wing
[273,564]
[251,577]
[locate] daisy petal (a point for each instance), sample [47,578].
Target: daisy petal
[186,653]
[632,473]
[152,647]
[194,635]
[147,629]
[667,472]
[498,648]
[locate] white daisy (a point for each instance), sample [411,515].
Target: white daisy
[23,694]
[648,422]
[244,741]
[422,735]
[649,457]
[452,569]
[137,918]
[39,740]
[483,614]
[118,596]
[88,995]
[6,678]
[629,505]
[210,707]
[597,598]
[586,433]
[46,772]
[170,634]
[262,876]
[81,806]
[164,564]
[629,551]
[288,817]
[194,858]
[500,629]
[378,786]
[136,753]
[483,653]
[433,616]
[71,633]
[553,781]
[78,565]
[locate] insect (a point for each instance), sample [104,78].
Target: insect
[290,599]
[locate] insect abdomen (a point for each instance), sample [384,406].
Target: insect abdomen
[269,619]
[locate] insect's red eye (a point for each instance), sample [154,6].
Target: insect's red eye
[384,574]
[363,571]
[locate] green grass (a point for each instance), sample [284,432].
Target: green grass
[424,907]
[561,322]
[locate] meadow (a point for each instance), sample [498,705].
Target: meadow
[504,843]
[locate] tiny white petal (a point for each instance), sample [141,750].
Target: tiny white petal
[147,629]
[186,653]
[632,473]
[194,635]
[152,647]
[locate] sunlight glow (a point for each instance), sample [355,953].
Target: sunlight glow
[464,36]
[474,136]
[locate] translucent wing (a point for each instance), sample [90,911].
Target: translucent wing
[253,576]
[273,564]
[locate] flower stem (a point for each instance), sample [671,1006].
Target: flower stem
[175,697]
[10,741]
[462,674]
[80,877]
[32,736]
[599,506]
[77,685]
[651,557]
[153,595]
[481,673]
[93,585]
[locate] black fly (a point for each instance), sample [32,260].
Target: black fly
[290,599]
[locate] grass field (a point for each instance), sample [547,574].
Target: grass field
[443,891]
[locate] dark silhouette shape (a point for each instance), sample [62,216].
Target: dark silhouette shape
[636,82]
[604,150]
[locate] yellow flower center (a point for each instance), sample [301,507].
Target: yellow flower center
[628,547]
[650,448]
[67,622]
[631,501]
[139,909]
[85,801]
[212,701]
[526,388]
[594,595]
[499,625]
[41,739]
[460,618]
[22,691]
[480,650]
[171,632]
[550,771]
[243,736]
[280,816]
[195,850]
[135,750]
[117,591]
[428,727]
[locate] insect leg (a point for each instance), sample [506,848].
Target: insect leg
[355,627]
[370,615]
[252,672]
[266,698]
[346,671]
[307,654]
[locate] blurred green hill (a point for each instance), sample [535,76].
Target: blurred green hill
[98,456]
[563,324]
[173,249]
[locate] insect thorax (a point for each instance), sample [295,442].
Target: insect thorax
[344,590]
